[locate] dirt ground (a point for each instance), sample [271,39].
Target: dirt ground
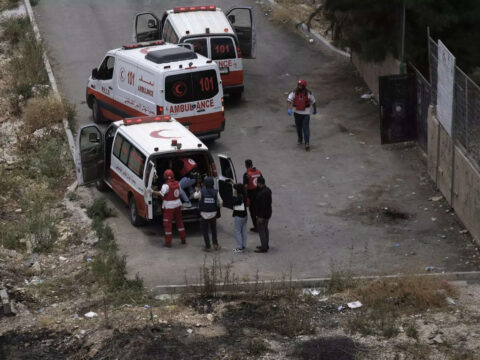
[61,311]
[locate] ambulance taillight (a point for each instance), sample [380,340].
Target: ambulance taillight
[159,110]
[214,169]
[223,107]
[239,52]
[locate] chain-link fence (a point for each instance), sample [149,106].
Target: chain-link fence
[466,105]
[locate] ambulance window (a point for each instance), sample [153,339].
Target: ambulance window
[169,34]
[136,162]
[178,88]
[117,146]
[124,151]
[106,69]
[199,46]
[222,48]
[205,84]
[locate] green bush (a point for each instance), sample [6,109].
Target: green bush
[14,29]
[99,210]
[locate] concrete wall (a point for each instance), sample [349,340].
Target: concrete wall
[466,176]
[371,71]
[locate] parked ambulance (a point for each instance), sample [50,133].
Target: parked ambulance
[131,155]
[224,38]
[156,78]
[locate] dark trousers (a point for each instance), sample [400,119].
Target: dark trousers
[205,225]
[302,123]
[264,234]
[252,194]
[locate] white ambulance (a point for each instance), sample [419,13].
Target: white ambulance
[224,38]
[156,78]
[131,155]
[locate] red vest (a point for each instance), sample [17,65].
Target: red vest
[173,191]
[300,100]
[253,175]
[188,165]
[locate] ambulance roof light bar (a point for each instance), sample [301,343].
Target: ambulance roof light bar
[146,120]
[143,44]
[180,9]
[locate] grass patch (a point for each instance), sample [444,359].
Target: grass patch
[109,269]
[14,29]
[70,114]
[43,112]
[386,300]
[99,211]
[340,281]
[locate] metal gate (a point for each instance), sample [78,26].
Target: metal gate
[398,108]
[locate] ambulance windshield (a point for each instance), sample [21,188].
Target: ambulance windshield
[192,86]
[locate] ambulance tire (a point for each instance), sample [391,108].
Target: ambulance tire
[96,112]
[101,186]
[135,219]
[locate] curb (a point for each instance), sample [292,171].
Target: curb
[464,276]
[51,77]
[321,40]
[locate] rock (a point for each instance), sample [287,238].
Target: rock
[437,339]
[8,308]
[37,268]
[210,317]
[61,258]
[449,300]
[90,314]
[435,198]
[29,261]
[189,331]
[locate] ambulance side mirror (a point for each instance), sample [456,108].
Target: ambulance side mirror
[231,18]
[93,138]
[151,24]
[95,73]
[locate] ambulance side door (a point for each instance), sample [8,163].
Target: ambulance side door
[127,83]
[89,155]
[226,180]
[150,173]
[147,27]
[241,19]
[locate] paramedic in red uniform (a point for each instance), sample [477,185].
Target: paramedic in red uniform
[301,99]
[250,181]
[172,207]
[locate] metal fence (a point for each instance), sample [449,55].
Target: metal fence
[466,106]
[423,97]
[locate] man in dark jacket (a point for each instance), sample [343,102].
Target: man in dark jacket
[263,207]
[250,181]
[209,201]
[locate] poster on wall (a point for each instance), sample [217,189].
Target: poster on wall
[445,87]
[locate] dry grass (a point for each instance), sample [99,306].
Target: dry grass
[43,112]
[408,292]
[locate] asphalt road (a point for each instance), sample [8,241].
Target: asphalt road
[349,203]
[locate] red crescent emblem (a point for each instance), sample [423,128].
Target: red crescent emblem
[156,134]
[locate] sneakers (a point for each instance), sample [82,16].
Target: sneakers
[207,249]
[187,205]
[260,251]
[307,147]
[299,142]
[238,251]
[183,242]
[217,247]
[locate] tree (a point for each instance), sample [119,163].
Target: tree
[373,28]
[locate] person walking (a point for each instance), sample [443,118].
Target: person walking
[263,204]
[250,178]
[210,200]
[240,217]
[301,99]
[172,207]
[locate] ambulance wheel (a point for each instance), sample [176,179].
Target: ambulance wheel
[101,186]
[135,219]
[96,112]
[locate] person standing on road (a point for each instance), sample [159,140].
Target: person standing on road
[210,201]
[172,207]
[300,100]
[240,217]
[263,204]
[250,178]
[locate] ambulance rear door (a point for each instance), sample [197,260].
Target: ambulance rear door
[147,27]
[241,19]
[89,155]
[226,180]
[150,173]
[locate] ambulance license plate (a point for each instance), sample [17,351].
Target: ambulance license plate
[224,70]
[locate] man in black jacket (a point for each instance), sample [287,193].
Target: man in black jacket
[263,207]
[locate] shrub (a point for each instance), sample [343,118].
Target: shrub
[99,210]
[43,112]
[14,29]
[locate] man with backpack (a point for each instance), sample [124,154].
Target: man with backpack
[301,99]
